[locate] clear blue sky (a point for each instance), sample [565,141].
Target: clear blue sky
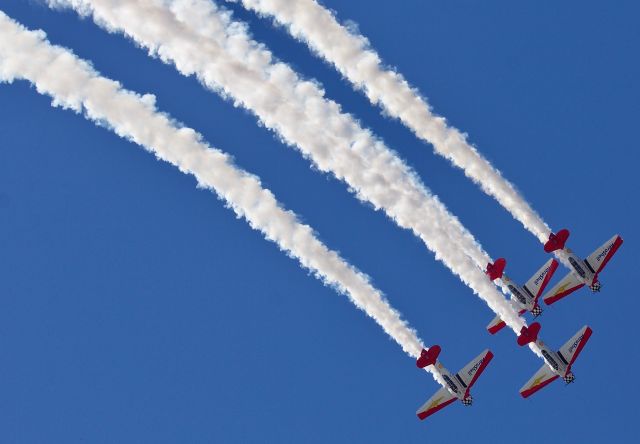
[136,308]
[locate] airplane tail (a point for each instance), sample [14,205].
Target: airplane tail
[428,357]
[556,241]
[529,334]
[495,270]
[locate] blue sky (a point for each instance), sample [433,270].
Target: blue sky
[136,308]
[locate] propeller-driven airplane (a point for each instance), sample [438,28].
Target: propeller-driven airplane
[457,386]
[557,363]
[525,297]
[584,272]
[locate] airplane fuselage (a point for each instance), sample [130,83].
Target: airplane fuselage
[521,294]
[454,383]
[581,268]
[557,362]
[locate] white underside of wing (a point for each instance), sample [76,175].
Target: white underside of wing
[598,258]
[439,400]
[542,377]
[563,288]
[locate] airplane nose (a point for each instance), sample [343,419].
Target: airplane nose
[569,378]
[537,311]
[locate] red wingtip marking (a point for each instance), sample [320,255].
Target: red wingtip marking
[616,244]
[557,297]
[583,342]
[532,390]
[487,358]
[496,328]
[423,415]
[547,278]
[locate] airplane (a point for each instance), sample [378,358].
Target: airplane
[524,297]
[584,272]
[557,363]
[457,386]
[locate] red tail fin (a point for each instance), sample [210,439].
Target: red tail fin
[529,334]
[495,270]
[556,241]
[428,357]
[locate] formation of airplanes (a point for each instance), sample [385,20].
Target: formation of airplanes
[525,298]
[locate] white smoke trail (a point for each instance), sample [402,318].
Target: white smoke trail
[199,39]
[73,84]
[354,58]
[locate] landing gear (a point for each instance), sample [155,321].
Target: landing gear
[468,400]
[537,311]
[569,378]
[596,287]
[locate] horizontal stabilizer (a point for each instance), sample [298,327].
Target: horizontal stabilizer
[428,357]
[495,270]
[529,334]
[556,241]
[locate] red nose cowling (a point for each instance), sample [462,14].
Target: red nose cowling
[556,241]
[428,357]
[495,270]
[529,334]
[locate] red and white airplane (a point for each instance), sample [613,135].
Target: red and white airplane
[584,272]
[557,363]
[457,386]
[524,297]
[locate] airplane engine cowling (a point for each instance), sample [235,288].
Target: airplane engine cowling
[537,311]
[569,378]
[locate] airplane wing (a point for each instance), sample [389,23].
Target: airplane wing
[541,278]
[440,400]
[566,286]
[569,352]
[498,324]
[470,373]
[599,258]
[542,378]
